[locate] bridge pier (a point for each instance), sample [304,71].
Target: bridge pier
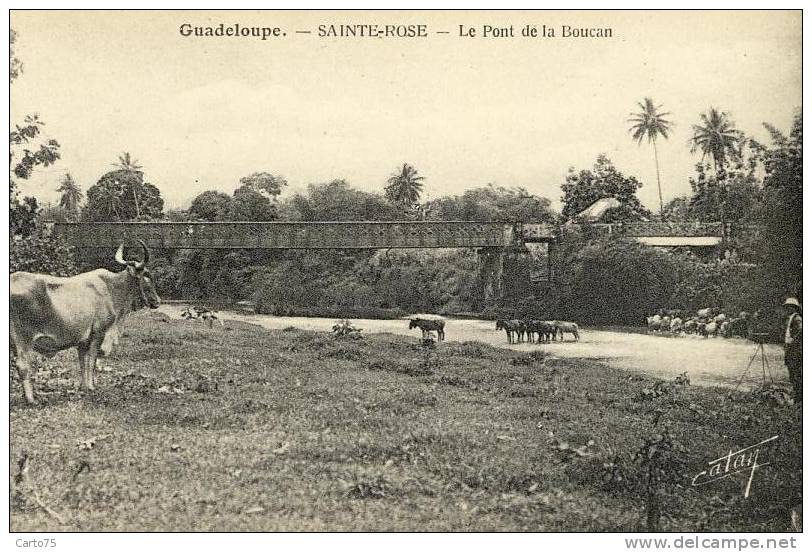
[491,272]
[504,272]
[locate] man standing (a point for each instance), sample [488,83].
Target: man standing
[793,347]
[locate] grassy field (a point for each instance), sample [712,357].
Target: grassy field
[241,428]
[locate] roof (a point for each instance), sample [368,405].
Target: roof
[595,211]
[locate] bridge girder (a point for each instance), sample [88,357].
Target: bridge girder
[355,235]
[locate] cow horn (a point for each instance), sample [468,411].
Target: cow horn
[144,262]
[120,255]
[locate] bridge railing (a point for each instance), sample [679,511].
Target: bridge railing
[652,229]
[290,235]
[365,235]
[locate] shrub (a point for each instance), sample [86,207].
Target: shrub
[617,281]
[42,252]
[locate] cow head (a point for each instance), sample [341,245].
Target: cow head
[138,271]
[414,323]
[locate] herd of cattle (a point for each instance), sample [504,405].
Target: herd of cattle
[710,322]
[544,331]
[517,331]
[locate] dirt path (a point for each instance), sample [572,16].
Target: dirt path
[709,362]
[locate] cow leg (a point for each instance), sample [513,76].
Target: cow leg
[83,349]
[88,352]
[90,363]
[24,371]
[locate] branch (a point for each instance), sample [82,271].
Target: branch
[23,477]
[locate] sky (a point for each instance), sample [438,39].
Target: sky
[200,113]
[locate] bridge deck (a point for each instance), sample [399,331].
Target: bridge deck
[362,235]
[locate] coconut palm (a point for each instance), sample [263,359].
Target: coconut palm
[127,163]
[404,186]
[71,195]
[650,123]
[716,137]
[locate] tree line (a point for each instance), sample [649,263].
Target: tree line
[737,179]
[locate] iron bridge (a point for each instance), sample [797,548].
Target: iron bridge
[368,235]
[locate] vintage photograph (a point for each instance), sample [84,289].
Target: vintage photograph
[406,271]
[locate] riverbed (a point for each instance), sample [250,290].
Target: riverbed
[708,361]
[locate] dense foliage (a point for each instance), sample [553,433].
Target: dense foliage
[122,195]
[583,188]
[31,248]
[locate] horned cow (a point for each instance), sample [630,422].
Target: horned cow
[51,314]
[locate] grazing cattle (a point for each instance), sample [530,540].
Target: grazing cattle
[676,325]
[50,314]
[704,313]
[711,328]
[690,325]
[567,327]
[427,326]
[521,330]
[653,322]
[719,318]
[546,329]
[511,328]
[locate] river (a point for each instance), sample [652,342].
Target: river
[709,362]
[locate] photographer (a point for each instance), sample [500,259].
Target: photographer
[793,346]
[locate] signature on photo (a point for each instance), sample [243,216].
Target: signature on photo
[732,463]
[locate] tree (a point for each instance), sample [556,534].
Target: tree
[404,187]
[650,123]
[30,248]
[126,163]
[716,137]
[15,66]
[71,196]
[337,200]
[114,198]
[582,189]
[492,203]
[250,205]
[783,186]
[264,182]
[678,210]
[617,281]
[211,205]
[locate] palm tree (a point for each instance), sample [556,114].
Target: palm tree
[111,202]
[650,123]
[71,195]
[126,163]
[404,186]
[718,138]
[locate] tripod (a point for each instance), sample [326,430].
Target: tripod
[765,365]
